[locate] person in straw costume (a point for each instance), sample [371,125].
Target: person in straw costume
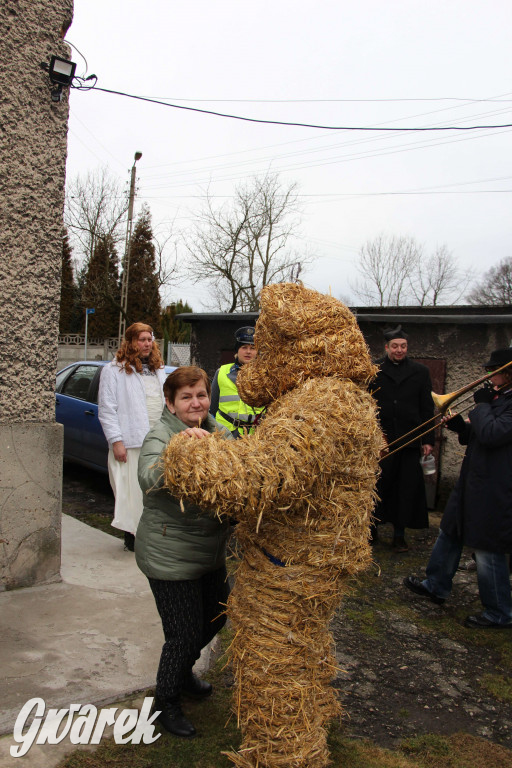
[303,490]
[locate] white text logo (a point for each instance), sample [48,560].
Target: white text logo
[84,725]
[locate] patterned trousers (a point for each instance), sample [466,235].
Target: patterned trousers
[192,614]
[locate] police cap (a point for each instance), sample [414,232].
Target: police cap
[245,335]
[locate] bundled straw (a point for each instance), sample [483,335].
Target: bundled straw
[302,488]
[302,334]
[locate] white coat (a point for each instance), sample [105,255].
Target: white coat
[122,405]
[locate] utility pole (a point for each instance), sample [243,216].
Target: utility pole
[87,313]
[126,258]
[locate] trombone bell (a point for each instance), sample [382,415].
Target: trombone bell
[442,402]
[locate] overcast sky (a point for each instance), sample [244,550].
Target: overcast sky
[405,63]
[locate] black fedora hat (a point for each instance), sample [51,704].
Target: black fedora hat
[499,357]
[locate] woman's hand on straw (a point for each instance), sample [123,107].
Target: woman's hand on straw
[196,432]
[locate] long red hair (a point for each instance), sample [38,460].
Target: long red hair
[129,354]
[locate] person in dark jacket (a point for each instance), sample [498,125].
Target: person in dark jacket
[479,511]
[403,391]
[182,551]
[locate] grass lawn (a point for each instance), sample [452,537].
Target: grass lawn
[218,734]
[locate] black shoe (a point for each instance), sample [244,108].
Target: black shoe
[171,718]
[129,541]
[196,688]
[400,544]
[480,622]
[415,585]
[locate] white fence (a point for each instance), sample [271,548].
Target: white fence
[178,354]
[72,350]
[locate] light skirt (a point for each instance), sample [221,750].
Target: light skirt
[127,492]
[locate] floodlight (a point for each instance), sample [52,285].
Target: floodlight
[61,71]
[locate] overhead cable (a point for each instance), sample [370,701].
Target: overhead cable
[375,129]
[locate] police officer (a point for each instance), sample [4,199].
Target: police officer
[226,405]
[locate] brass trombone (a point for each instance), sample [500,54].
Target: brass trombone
[442,403]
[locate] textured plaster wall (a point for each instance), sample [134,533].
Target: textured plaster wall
[33,151]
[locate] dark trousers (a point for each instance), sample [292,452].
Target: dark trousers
[192,614]
[401,490]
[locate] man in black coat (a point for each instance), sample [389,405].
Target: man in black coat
[403,391]
[479,511]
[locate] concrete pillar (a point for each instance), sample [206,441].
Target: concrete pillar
[33,151]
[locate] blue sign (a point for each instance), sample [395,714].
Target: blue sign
[90,311]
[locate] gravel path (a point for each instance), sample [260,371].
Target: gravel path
[410,666]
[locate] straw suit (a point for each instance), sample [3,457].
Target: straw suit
[302,488]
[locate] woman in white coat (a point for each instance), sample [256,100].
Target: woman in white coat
[130,402]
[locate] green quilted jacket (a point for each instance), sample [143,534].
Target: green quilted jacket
[171,544]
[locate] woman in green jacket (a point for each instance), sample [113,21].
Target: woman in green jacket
[182,550]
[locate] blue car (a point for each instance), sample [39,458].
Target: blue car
[76,408]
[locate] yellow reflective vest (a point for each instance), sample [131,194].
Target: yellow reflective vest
[231,407]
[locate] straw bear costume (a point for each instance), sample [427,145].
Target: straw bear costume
[302,489]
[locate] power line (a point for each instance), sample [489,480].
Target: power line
[297,124]
[273,158]
[493,99]
[75,117]
[180,178]
[371,139]
[364,155]
[345,194]
[496,100]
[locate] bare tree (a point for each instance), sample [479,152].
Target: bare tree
[438,278]
[96,207]
[168,272]
[396,271]
[385,266]
[496,285]
[238,249]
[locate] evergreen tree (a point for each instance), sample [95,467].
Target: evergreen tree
[101,290]
[68,289]
[175,331]
[143,303]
